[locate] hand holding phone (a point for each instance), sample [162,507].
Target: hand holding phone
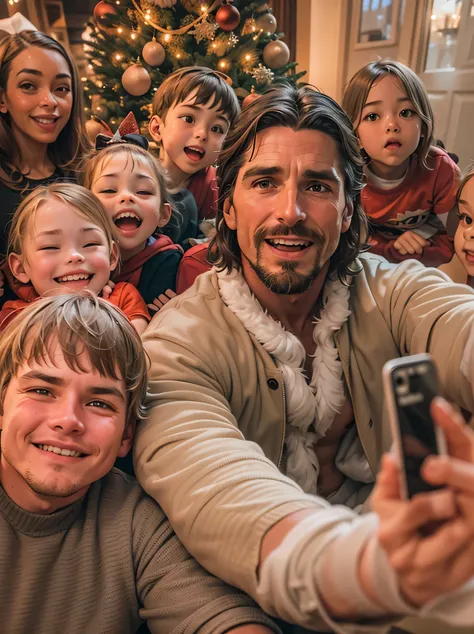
[410,385]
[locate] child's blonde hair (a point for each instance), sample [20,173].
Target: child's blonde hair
[75,196]
[134,153]
[209,84]
[358,88]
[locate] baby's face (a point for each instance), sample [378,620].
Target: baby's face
[464,238]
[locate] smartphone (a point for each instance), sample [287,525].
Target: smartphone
[410,384]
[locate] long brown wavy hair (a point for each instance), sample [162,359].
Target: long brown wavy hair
[298,108]
[72,141]
[358,88]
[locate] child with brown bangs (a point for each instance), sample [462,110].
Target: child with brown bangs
[411,183]
[62,240]
[132,187]
[192,112]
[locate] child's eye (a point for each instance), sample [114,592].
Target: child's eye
[108,191]
[48,248]
[93,244]
[187,118]
[218,129]
[407,113]
[143,192]
[372,116]
[465,219]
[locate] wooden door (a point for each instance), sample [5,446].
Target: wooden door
[447,71]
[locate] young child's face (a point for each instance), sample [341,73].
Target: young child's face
[63,251]
[38,96]
[130,194]
[190,135]
[61,430]
[464,237]
[389,129]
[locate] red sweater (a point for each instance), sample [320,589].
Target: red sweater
[418,204]
[124,296]
[203,186]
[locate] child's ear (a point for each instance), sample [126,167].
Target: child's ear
[15,262]
[114,256]
[165,215]
[229,214]
[347,217]
[154,128]
[127,440]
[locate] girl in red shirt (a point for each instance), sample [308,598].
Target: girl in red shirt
[411,183]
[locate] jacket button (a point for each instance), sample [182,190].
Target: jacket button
[272,384]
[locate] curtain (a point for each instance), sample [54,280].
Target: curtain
[285,14]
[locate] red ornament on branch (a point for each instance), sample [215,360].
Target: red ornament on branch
[103,11]
[228,17]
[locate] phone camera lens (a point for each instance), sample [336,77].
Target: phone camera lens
[400,380]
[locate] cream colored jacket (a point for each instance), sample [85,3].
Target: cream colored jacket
[207,452]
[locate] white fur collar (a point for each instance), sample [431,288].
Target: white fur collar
[311,408]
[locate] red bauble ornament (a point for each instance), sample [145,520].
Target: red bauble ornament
[228,17]
[249,99]
[102,13]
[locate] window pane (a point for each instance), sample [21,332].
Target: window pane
[445,19]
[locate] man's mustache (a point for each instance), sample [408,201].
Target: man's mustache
[300,231]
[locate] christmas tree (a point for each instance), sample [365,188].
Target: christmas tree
[132,45]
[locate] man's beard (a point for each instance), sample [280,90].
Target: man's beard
[287,281]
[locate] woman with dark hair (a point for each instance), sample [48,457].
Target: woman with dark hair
[42,133]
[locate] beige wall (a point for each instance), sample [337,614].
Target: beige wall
[322,27]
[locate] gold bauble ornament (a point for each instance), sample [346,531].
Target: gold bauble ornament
[266,23]
[95,127]
[154,53]
[136,80]
[276,54]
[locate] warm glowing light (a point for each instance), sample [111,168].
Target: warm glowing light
[248,57]
[214,45]
[89,66]
[433,17]
[133,36]
[118,57]
[454,16]
[84,79]
[167,37]
[203,8]
[178,55]
[120,30]
[223,64]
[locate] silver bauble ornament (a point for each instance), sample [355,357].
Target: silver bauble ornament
[136,80]
[276,54]
[154,53]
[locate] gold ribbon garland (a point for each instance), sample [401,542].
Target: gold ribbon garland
[183,29]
